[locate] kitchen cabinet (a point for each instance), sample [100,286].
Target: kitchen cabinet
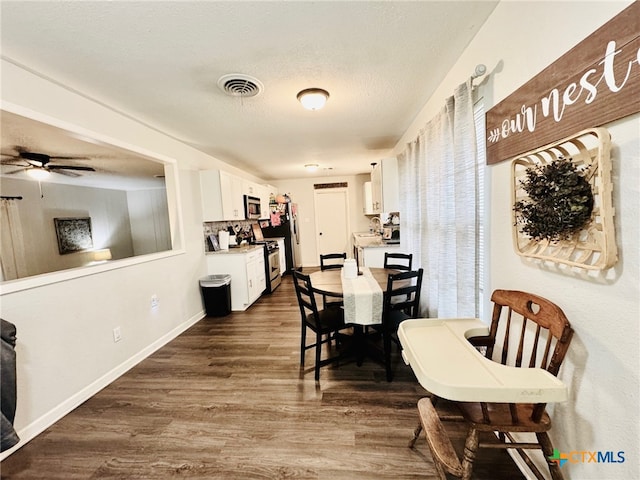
[247,269]
[369,249]
[232,197]
[222,197]
[367,199]
[384,186]
[373,257]
[264,199]
[250,188]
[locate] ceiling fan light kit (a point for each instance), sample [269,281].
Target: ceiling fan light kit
[313,98]
[39,174]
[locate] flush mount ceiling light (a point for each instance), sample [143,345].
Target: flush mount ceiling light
[312,167]
[313,98]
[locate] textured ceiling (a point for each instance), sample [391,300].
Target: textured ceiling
[159,62]
[114,167]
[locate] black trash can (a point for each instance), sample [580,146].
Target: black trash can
[216,292]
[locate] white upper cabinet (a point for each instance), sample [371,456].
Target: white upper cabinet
[251,188]
[232,197]
[384,186]
[367,198]
[266,191]
[222,197]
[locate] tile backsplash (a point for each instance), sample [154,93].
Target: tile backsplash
[241,227]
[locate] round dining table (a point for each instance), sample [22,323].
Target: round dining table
[329,282]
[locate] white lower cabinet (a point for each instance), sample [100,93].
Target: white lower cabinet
[374,256]
[256,278]
[247,270]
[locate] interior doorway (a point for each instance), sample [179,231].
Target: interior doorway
[332,221]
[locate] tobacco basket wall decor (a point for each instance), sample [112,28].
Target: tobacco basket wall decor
[588,244]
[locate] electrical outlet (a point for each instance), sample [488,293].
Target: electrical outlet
[154,301]
[117,334]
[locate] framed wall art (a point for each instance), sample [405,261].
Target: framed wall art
[74,234]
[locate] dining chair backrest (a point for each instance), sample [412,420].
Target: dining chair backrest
[527,331]
[533,331]
[403,293]
[398,261]
[325,323]
[401,301]
[332,260]
[304,292]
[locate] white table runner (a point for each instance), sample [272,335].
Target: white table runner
[362,299]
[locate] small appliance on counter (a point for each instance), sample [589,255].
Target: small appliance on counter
[391,229]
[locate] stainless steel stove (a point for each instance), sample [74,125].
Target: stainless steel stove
[272,264]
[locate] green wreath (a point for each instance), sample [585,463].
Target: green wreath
[560,201]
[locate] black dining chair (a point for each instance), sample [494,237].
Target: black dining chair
[330,261]
[398,261]
[401,301]
[326,322]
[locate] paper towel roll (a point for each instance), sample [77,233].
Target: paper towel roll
[350,268]
[223,239]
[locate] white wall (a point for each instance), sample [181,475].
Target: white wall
[65,347]
[301,192]
[149,219]
[601,369]
[106,208]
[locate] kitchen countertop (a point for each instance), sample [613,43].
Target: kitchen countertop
[372,240]
[237,250]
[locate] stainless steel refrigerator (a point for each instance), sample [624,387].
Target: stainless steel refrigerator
[287,216]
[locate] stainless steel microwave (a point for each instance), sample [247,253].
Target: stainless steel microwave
[252,207]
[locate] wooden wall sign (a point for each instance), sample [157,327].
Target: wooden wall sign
[596,82]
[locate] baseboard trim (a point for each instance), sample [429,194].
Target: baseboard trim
[39,425]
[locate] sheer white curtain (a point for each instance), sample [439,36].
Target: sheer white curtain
[439,215]
[12,254]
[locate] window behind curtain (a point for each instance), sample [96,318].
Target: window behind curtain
[482,199]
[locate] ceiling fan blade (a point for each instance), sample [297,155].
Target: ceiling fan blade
[70,167]
[17,171]
[14,161]
[67,173]
[53,157]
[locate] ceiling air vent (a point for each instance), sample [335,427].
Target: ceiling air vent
[239,85]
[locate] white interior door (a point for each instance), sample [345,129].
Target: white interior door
[332,221]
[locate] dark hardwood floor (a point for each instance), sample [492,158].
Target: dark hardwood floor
[227,400]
